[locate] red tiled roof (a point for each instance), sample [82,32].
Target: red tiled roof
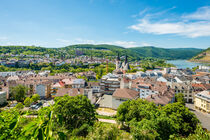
[125,93]
[70,91]
[203,86]
[161,99]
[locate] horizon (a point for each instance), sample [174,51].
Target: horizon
[124,23]
[94,45]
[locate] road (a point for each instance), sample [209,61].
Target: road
[203,117]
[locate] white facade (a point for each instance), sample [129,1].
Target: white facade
[162,79]
[96,89]
[143,93]
[78,83]
[178,80]
[4,74]
[3,97]
[41,90]
[204,67]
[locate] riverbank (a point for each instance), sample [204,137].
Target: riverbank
[183,64]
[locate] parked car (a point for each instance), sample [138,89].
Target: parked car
[36,106]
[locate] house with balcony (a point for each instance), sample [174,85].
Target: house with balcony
[109,83]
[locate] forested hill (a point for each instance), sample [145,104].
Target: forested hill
[203,56]
[105,50]
[172,53]
[27,50]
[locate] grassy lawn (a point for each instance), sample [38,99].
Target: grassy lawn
[105,117]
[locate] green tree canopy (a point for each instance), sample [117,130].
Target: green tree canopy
[185,122]
[27,101]
[35,97]
[179,97]
[19,106]
[19,93]
[75,111]
[136,110]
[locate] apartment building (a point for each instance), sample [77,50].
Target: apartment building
[202,101]
[109,83]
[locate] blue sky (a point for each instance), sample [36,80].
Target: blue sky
[128,23]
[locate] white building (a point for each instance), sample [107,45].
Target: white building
[109,83]
[204,67]
[3,97]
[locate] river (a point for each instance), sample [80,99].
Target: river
[183,64]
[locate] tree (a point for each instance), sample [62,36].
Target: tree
[75,111]
[144,130]
[159,127]
[195,68]
[19,106]
[105,131]
[199,134]
[28,101]
[19,92]
[8,124]
[41,128]
[136,110]
[35,97]
[184,121]
[179,97]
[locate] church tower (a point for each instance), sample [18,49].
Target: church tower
[118,64]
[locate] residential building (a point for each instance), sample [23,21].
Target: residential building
[95,86]
[74,83]
[122,95]
[3,97]
[109,83]
[185,88]
[162,98]
[202,101]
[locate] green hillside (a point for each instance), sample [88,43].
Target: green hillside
[173,53]
[104,50]
[203,56]
[27,50]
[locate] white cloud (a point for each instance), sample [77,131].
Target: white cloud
[146,44]
[141,13]
[202,13]
[87,41]
[124,43]
[83,41]
[198,28]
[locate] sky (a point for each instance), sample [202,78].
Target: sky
[127,23]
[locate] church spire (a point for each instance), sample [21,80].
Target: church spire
[126,59]
[118,57]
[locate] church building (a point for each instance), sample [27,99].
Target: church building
[122,67]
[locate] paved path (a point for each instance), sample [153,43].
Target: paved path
[107,121]
[203,117]
[105,113]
